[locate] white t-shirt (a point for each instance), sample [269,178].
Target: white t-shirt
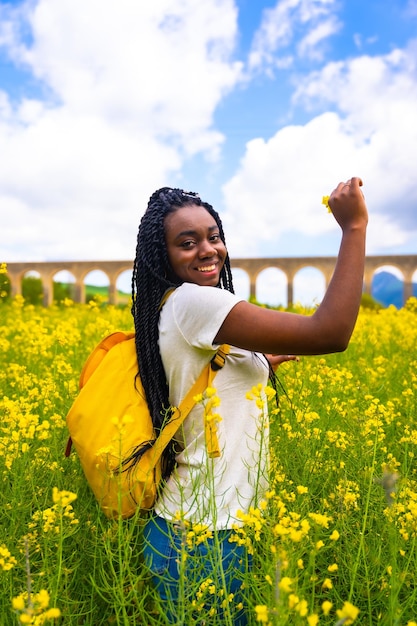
[212,490]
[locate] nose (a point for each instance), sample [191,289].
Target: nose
[206,249]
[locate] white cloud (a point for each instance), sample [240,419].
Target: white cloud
[129,93]
[377,100]
[372,132]
[280,25]
[132,88]
[136,63]
[281,182]
[385,234]
[309,45]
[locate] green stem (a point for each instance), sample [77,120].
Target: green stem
[361,547]
[59,558]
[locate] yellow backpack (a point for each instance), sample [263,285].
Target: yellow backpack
[109,419]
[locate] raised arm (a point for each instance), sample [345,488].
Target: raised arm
[329,329]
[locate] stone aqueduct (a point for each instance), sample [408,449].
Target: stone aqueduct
[406,264]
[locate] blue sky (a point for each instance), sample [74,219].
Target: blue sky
[261,106]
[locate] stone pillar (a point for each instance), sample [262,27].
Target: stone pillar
[367,282]
[408,289]
[15,285]
[290,292]
[47,293]
[79,292]
[252,286]
[112,292]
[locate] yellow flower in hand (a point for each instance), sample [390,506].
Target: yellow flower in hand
[325,201]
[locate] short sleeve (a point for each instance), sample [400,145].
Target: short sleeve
[198,312]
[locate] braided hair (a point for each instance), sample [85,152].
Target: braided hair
[152,277]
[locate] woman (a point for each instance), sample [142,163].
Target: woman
[181,244]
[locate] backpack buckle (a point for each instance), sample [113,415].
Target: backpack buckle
[219,359]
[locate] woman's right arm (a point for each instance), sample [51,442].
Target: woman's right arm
[329,329]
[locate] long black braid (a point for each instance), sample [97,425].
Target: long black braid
[152,277]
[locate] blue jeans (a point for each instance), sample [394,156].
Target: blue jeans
[188,578]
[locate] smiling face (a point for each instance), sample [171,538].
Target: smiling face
[195,250]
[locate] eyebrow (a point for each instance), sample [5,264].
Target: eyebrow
[190,233]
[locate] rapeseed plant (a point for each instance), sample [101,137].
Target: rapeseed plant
[7,561]
[210,401]
[333,540]
[34,608]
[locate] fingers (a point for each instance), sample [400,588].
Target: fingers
[344,189]
[347,202]
[355,181]
[276,359]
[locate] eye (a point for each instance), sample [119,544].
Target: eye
[189,243]
[215,237]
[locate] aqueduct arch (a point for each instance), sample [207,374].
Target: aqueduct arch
[407,264]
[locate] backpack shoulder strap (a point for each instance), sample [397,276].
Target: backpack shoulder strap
[180,413]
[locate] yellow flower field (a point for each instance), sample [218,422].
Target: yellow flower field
[334,541]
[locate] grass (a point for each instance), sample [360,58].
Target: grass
[334,541]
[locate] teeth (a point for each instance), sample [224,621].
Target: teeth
[206,268]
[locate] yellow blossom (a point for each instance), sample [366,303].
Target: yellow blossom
[348,612]
[325,201]
[270,393]
[63,498]
[320,519]
[18,603]
[7,561]
[42,599]
[52,614]
[34,609]
[302,608]
[327,584]
[326,607]
[285,584]
[198,534]
[293,600]
[261,613]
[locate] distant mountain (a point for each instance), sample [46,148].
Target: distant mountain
[388,289]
